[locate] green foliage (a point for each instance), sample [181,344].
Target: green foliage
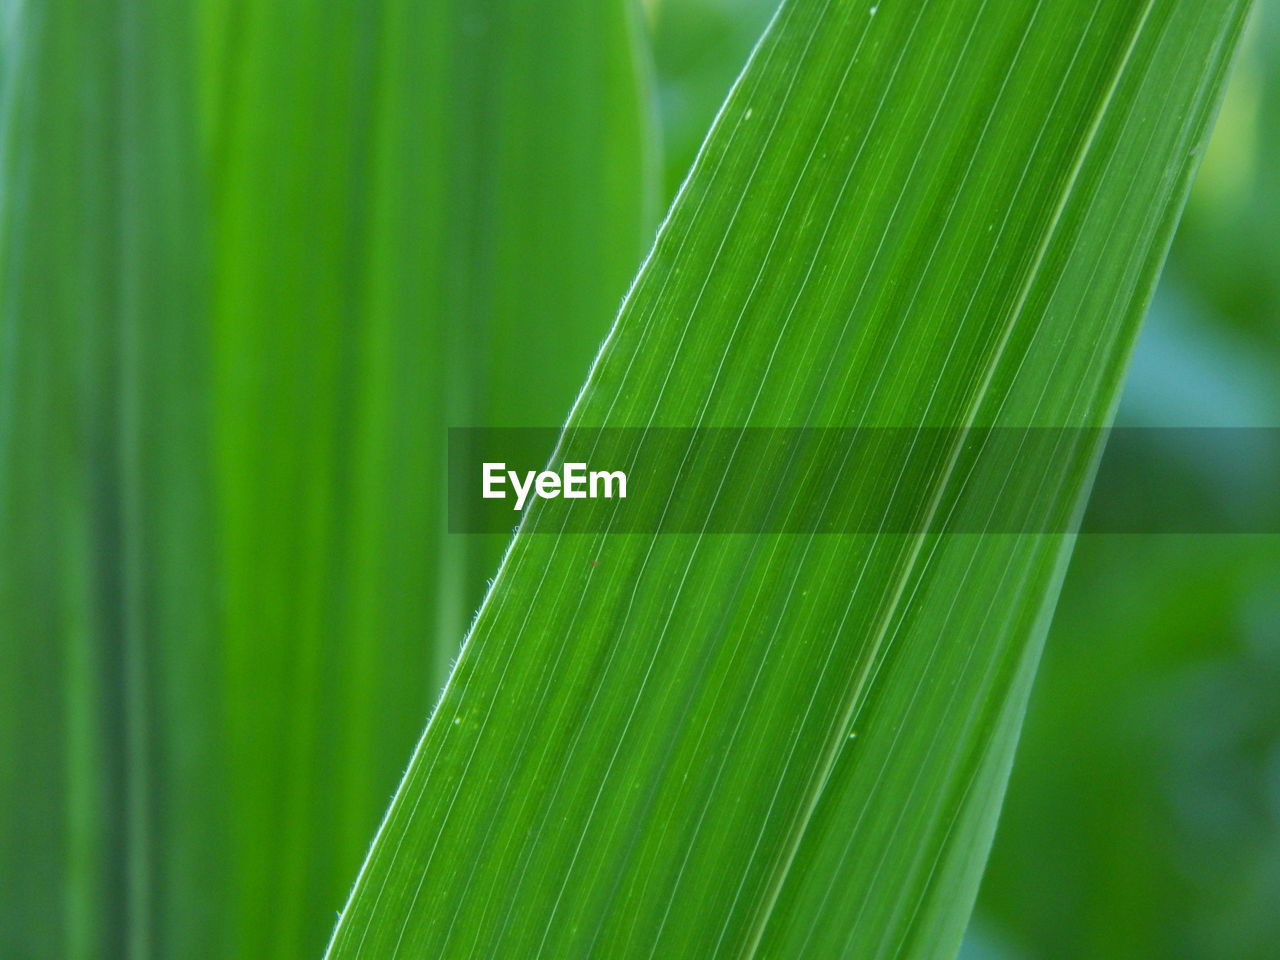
[256,258]
[106,606]
[424,214]
[781,746]
[1142,816]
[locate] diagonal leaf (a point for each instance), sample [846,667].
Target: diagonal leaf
[943,214]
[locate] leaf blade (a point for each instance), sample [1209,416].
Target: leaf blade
[604,798]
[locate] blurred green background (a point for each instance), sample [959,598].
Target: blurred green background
[256,257]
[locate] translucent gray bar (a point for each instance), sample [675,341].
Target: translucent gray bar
[886,480]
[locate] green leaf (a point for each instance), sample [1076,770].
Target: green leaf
[410,199]
[107,665]
[796,745]
[255,258]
